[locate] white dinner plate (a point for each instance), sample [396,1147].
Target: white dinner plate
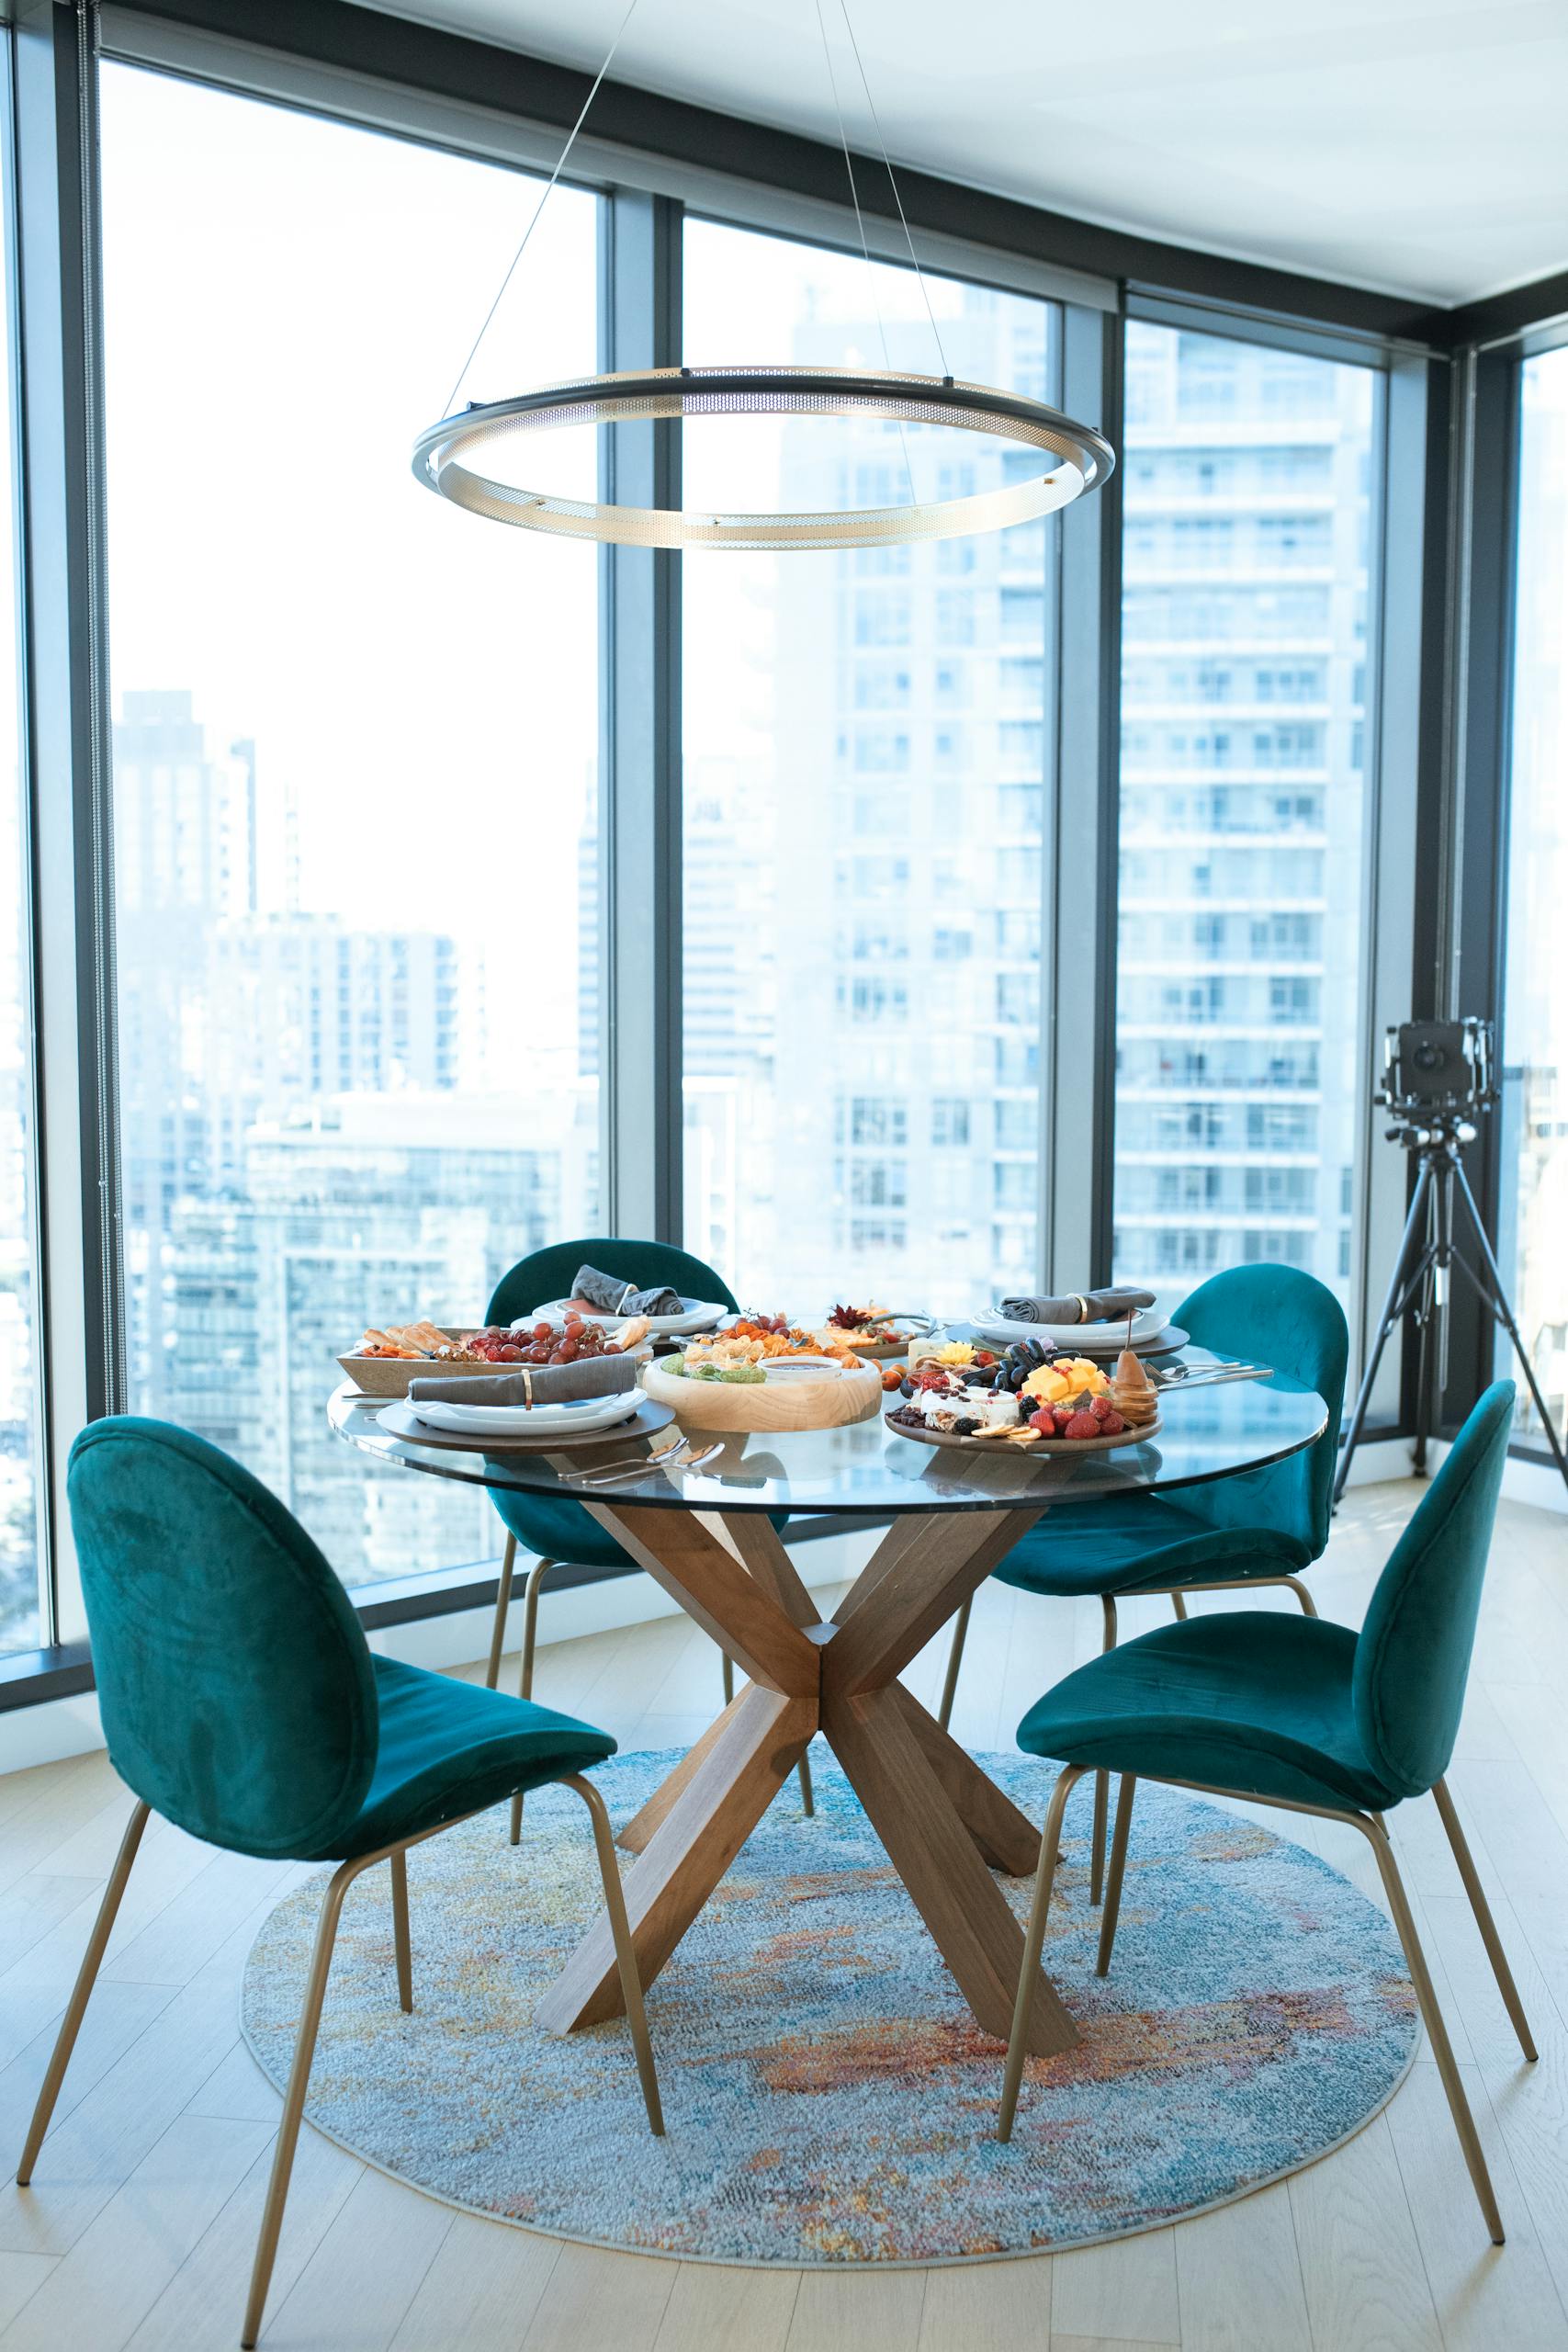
[696,1315]
[512,1421]
[1077,1339]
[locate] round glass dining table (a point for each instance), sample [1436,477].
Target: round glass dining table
[700,1520]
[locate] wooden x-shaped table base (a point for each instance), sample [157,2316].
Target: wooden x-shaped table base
[945,1826]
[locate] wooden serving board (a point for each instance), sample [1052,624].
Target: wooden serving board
[792,1403]
[1054,1449]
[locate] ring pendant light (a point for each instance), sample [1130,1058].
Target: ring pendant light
[451,456]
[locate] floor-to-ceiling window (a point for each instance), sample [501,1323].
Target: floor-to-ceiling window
[20,1626]
[355,745]
[1247,491]
[866,749]
[1534,1234]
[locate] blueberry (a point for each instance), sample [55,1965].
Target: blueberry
[906,1389]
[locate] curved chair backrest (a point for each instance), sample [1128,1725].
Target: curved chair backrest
[1276,1315]
[236,1686]
[550,1272]
[1413,1653]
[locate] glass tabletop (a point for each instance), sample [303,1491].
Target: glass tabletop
[1205,1432]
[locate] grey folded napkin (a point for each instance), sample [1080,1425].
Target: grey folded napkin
[1078,1307]
[545,1384]
[614,1297]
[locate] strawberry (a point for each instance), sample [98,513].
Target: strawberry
[1111,1424]
[1064,1414]
[1102,1408]
[1082,1425]
[1043,1422]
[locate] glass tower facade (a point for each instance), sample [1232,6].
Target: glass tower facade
[1247,499]
[866,746]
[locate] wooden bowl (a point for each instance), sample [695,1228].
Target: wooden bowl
[798,1401]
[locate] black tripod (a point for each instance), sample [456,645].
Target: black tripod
[1426,1253]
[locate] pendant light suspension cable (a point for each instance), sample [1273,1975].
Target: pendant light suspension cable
[893,183]
[544,195]
[864,247]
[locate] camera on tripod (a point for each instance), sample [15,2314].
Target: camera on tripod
[1437,1077]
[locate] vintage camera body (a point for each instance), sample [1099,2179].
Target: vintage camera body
[1439,1070]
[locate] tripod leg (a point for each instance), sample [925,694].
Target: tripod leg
[1498,1301]
[1432,1321]
[1392,1310]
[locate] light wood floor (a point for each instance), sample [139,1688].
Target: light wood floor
[138,2228]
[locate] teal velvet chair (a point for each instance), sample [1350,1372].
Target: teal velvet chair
[1259,1527]
[559,1531]
[1292,1712]
[241,1702]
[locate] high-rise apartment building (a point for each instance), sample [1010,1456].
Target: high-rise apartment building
[1246,490]
[863,887]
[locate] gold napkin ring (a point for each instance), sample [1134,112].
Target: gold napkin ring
[527,1389]
[1083,1306]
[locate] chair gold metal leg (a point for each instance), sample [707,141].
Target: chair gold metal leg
[525,1677]
[1309,1606]
[1179,1603]
[502,1603]
[1485,1921]
[954,1657]
[1437,2032]
[81,1992]
[1035,1937]
[1375,1831]
[404,1949]
[294,2097]
[536,1575]
[1101,1780]
[625,1952]
[726,1669]
[1118,1864]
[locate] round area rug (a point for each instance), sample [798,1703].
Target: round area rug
[827,2096]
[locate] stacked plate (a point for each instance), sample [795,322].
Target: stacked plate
[696,1315]
[578,1416]
[1078,1339]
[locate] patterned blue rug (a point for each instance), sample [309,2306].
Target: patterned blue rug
[828,2096]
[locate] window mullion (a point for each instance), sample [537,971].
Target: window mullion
[66,744]
[640,745]
[1079,941]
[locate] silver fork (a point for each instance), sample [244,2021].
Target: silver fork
[1203,1376]
[604,1473]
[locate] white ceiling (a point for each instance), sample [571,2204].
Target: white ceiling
[1419,146]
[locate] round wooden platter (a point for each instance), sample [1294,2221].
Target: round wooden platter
[798,1401]
[399,1420]
[1056,1449]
